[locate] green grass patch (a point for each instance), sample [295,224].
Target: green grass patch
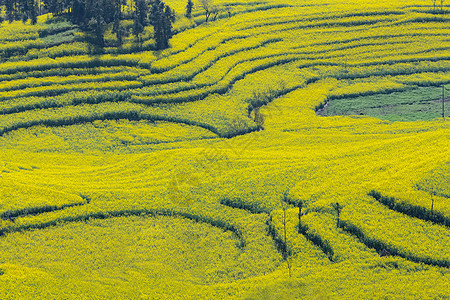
[423,103]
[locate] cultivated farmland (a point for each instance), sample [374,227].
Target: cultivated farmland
[131,173]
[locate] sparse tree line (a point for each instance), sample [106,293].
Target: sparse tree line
[21,10]
[441,2]
[95,16]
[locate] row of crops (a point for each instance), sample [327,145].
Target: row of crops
[214,61]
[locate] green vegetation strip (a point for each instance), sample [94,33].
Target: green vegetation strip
[74,98]
[303,229]
[411,210]
[82,61]
[114,71]
[254,208]
[208,64]
[314,238]
[326,20]
[129,115]
[317,240]
[134,212]
[32,211]
[279,242]
[380,247]
[221,87]
[56,28]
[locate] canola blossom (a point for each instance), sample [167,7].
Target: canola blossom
[142,174]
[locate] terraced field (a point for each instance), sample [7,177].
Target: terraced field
[177,174]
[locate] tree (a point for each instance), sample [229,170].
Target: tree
[10,10]
[161,18]
[56,7]
[168,20]
[118,29]
[21,10]
[237,126]
[32,11]
[140,18]
[94,22]
[432,202]
[259,117]
[109,9]
[189,7]
[78,11]
[97,26]
[207,6]
[215,12]
[156,17]
[228,10]
[442,5]
[443,102]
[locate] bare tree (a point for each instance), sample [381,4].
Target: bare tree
[215,12]
[286,253]
[208,7]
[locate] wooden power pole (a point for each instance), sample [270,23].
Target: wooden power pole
[443,102]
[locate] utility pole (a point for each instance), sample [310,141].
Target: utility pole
[443,102]
[338,209]
[300,206]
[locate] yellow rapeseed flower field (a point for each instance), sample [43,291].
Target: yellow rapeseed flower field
[178,174]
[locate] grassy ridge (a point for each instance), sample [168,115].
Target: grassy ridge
[11,215]
[414,211]
[104,215]
[129,115]
[380,247]
[317,240]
